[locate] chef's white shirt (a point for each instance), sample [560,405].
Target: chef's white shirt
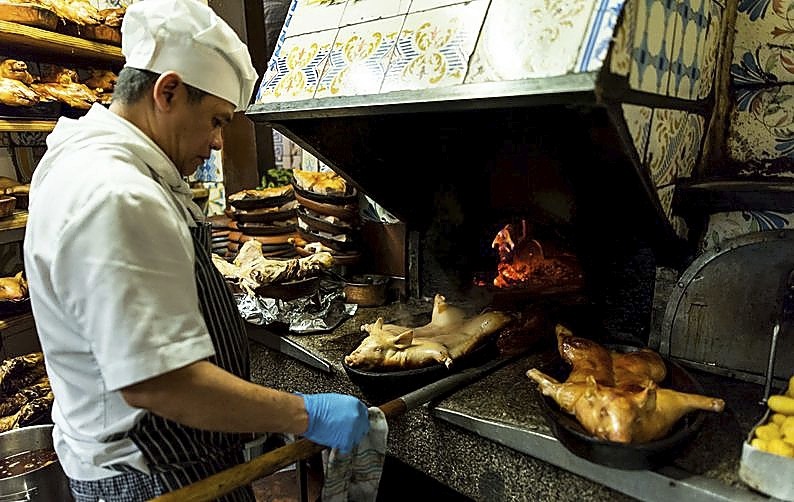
[109,259]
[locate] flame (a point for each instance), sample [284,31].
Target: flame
[523,262]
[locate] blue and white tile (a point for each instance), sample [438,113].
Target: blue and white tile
[310,16]
[548,46]
[358,61]
[653,44]
[434,47]
[762,124]
[728,225]
[691,25]
[360,11]
[600,33]
[638,122]
[620,55]
[764,45]
[711,49]
[297,70]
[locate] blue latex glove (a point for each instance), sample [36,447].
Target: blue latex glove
[335,420]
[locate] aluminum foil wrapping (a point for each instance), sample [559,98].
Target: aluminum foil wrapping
[321,311]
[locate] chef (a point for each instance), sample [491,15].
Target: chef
[144,347]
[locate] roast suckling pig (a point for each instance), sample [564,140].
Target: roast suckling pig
[13,288]
[448,336]
[615,396]
[64,85]
[15,93]
[250,269]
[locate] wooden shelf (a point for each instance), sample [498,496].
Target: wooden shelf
[12,228]
[48,43]
[17,322]
[26,125]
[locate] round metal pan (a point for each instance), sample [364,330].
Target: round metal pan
[350,197]
[577,440]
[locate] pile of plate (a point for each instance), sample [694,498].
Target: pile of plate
[268,216]
[327,215]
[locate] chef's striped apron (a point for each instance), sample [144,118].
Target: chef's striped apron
[178,455]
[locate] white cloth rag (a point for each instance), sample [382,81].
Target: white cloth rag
[355,476]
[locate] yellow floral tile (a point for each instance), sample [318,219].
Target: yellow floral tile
[420,5]
[666,199]
[763,50]
[295,72]
[620,57]
[673,146]
[359,58]
[638,122]
[311,16]
[360,11]
[653,42]
[434,47]
[551,36]
[762,124]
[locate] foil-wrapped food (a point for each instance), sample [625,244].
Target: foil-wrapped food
[25,393]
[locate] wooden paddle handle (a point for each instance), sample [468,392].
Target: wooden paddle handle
[266,464]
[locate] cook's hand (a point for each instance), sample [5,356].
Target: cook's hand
[335,420]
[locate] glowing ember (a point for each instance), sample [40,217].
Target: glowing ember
[523,262]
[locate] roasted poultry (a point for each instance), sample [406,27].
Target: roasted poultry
[616,396]
[64,85]
[448,336]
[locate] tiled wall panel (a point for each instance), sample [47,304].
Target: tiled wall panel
[762,124]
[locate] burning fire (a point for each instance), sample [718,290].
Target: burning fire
[523,262]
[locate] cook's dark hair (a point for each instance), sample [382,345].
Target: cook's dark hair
[133,84]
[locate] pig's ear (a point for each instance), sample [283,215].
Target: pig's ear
[404,339]
[646,399]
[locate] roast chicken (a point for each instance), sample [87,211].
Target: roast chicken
[449,335]
[616,396]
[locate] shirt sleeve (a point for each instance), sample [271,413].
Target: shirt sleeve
[125,273]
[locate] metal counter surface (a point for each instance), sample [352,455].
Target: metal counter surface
[489,440]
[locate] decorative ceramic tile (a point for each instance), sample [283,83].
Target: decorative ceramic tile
[764,47]
[211,170]
[216,203]
[762,124]
[692,22]
[680,226]
[309,16]
[5,139]
[434,47]
[711,48]
[638,122]
[296,71]
[673,145]
[25,138]
[724,226]
[653,44]
[359,58]
[665,195]
[282,36]
[551,35]
[359,11]
[620,57]
[600,32]
[420,5]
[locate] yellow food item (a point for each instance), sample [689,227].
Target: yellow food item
[777,418]
[781,404]
[759,443]
[780,447]
[787,429]
[767,432]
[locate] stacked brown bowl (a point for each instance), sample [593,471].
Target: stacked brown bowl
[327,215]
[267,215]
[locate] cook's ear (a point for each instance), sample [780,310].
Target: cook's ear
[165,88]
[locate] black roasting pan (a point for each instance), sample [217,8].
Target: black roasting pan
[648,455]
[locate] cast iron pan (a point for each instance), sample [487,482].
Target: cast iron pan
[261,202]
[350,197]
[619,455]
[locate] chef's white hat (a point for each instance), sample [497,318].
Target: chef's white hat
[187,37]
